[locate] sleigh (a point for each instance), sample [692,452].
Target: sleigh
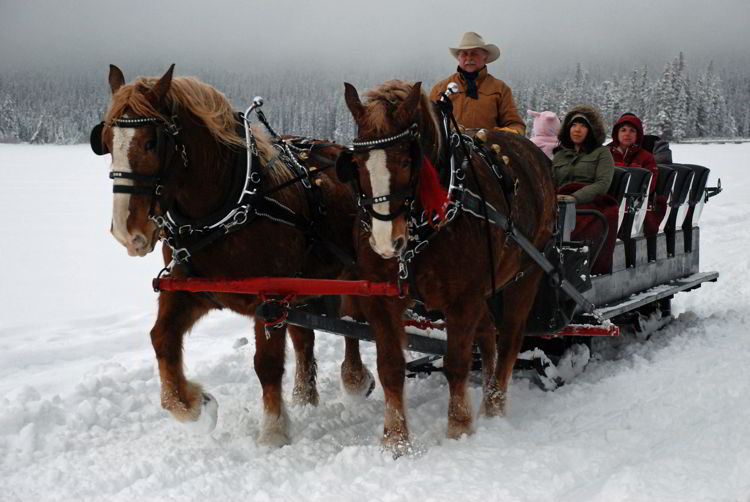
[634,296]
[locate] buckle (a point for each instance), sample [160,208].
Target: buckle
[181,255]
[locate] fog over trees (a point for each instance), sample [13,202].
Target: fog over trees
[651,58]
[676,101]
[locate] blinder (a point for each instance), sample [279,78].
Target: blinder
[346,169]
[96,139]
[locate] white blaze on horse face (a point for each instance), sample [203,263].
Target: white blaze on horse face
[123,136]
[380,181]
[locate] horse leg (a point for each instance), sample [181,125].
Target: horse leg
[486,338]
[305,372]
[185,400]
[461,322]
[385,318]
[517,304]
[356,379]
[269,366]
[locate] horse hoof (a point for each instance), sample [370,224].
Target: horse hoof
[304,394]
[494,404]
[398,448]
[273,439]
[274,431]
[361,388]
[459,428]
[372,384]
[303,397]
[209,414]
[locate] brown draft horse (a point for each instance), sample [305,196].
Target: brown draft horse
[197,183]
[452,273]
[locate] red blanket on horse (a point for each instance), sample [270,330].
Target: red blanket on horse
[589,228]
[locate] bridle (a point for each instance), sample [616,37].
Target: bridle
[347,172]
[168,143]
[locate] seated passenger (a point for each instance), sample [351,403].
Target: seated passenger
[581,158]
[583,169]
[627,135]
[544,131]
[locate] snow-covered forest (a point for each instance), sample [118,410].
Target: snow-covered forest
[679,102]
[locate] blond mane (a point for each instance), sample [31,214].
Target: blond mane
[382,100]
[203,100]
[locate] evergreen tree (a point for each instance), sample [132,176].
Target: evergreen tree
[9,127]
[661,105]
[680,99]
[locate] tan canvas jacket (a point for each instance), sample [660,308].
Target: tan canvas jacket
[493,109]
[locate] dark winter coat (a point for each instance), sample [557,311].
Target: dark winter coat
[594,168]
[658,147]
[494,108]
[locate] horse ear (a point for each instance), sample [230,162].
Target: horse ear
[116,78]
[406,109]
[159,91]
[345,167]
[352,101]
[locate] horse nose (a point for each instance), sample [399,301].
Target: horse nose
[138,245]
[398,244]
[138,240]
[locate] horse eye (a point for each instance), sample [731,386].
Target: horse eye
[150,145]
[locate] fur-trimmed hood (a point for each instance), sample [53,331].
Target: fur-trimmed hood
[593,117]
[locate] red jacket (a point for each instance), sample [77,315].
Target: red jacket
[634,156]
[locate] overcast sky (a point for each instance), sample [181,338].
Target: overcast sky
[269,34]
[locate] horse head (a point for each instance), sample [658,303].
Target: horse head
[132,137]
[387,157]
[169,140]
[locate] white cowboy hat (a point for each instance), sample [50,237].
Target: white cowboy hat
[472,40]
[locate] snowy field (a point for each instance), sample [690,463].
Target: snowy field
[663,420]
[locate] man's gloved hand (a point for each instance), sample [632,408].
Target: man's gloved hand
[507,129]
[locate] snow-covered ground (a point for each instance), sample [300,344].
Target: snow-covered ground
[665,419]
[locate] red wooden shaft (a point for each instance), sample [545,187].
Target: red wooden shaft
[279,286]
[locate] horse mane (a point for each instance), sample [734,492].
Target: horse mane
[384,99]
[202,100]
